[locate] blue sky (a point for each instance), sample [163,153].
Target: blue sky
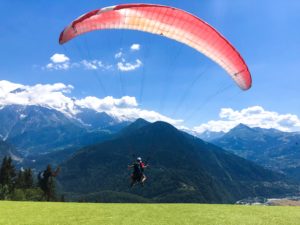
[265,32]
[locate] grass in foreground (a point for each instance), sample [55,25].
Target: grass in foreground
[40,213]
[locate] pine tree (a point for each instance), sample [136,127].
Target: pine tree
[28,179]
[7,178]
[20,180]
[3,178]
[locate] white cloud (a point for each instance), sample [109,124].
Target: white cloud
[118,55]
[135,113]
[126,66]
[54,96]
[58,62]
[135,47]
[62,62]
[255,116]
[125,108]
[59,58]
[106,103]
[6,87]
[94,65]
[89,65]
[58,66]
[48,95]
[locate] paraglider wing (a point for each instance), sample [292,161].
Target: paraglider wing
[169,22]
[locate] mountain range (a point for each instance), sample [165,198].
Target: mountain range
[183,168]
[271,148]
[94,149]
[34,130]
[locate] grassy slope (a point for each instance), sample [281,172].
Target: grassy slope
[16,213]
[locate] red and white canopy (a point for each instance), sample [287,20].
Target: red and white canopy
[169,22]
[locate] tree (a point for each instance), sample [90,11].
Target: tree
[28,179]
[7,178]
[20,183]
[24,179]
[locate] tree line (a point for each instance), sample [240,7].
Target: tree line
[23,185]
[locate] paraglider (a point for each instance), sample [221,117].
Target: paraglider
[138,175]
[169,22]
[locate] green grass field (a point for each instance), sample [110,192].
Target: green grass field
[39,213]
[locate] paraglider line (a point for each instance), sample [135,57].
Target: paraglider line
[220,91]
[189,89]
[121,82]
[143,78]
[168,79]
[95,72]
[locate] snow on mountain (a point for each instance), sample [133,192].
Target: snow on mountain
[57,96]
[40,129]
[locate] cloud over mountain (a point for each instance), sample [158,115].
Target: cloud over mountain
[255,116]
[56,96]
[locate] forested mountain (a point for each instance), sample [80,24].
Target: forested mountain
[183,169]
[271,148]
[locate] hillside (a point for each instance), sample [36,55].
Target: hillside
[8,150]
[183,169]
[273,149]
[35,130]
